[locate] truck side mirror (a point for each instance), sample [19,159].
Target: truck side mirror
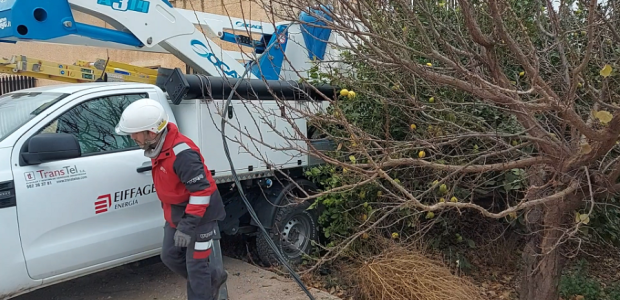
[46,147]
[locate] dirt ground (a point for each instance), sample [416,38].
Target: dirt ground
[153,281]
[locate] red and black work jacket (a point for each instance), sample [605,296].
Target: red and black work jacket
[184,184]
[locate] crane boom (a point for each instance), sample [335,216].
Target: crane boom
[156,26]
[153,26]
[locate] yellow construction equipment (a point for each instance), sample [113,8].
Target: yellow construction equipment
[81,71]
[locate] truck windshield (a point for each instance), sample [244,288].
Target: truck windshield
[18,108]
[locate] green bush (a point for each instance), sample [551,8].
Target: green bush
[578,282]
[604,226]
[587,287]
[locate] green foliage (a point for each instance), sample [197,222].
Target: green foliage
[613,292]
[579,283]
[343,212]
[604,226]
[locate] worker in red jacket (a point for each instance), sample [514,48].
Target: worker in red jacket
[190,199]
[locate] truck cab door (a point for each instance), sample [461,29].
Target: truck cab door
[89,211]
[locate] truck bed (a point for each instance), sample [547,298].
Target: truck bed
[260,139]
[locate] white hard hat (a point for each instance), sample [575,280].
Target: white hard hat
[142,115]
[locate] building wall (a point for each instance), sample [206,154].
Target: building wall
[68,54]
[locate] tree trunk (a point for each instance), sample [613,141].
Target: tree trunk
[542,258]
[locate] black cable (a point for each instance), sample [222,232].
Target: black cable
[238,183]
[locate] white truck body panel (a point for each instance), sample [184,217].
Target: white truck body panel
[5,164]
[103,214]
[15,279]
[266,136]
[12,264]
[94,221]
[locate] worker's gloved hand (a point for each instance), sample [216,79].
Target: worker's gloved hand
[181,239]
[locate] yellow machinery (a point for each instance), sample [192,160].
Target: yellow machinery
[81,71]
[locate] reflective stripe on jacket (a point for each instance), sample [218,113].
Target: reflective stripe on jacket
[184,184]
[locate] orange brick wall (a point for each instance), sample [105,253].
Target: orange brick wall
[69,54]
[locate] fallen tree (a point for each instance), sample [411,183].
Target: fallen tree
[458,101]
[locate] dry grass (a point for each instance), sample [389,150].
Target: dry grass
[399,273]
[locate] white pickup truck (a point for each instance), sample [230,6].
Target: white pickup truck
[75,198]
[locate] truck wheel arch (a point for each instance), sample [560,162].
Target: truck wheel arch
[266,208]
[270,212]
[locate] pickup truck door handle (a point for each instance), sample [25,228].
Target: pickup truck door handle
[146,166]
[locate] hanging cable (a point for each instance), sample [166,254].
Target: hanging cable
[238,183]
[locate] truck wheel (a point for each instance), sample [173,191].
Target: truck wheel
[293,231]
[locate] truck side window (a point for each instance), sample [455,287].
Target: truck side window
[93,122]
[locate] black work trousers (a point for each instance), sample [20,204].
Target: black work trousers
[193,262]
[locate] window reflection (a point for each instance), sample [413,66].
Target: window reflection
[93,122]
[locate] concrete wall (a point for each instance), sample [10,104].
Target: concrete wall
[69,54]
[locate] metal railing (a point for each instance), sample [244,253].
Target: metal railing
[11,83]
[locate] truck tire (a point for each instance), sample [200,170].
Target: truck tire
[293,231]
